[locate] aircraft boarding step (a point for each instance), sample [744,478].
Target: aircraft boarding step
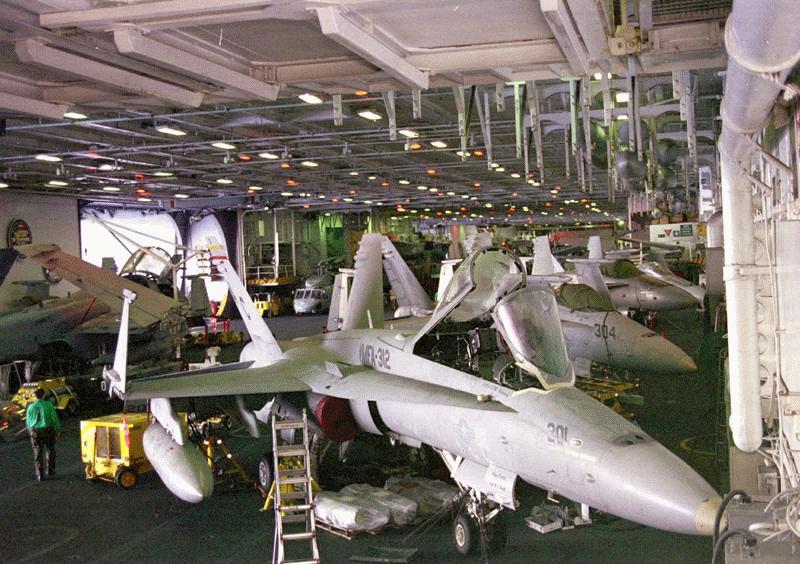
[294,497]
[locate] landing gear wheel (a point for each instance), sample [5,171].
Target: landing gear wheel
[464,534]
[126,478]
[498,536]
[265,473]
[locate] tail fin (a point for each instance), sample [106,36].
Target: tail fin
[199,296]
[588,272]
[595,247]
[339,296]
[266,347]
[544,262]
[115,379]
[365,306]
[445,275]
[410,295]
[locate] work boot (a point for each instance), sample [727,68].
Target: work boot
[38,477]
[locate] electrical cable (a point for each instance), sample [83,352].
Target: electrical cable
[725,536]
[722,506]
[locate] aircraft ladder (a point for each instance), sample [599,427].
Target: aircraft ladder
[294,497]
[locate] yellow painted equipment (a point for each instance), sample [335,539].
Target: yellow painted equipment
[112,450]
[56,391]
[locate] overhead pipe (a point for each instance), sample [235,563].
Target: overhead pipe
[760,37]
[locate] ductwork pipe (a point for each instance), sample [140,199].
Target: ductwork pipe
[760,37]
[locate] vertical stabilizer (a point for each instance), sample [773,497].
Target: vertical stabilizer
[595,247]
[265,347]
[544,262]
[445,275]
[339,296]
[407,289]
[365,306]
[588,272]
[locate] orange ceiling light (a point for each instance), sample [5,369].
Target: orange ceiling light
[384,183]
[415,146]
[431,171]
[245,158]
[285,165]
[353,191]
[548,204]
[292,182]
[477,185]
[360,92]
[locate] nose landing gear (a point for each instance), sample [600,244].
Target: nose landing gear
[478,522]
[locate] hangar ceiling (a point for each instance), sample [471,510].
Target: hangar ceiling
[229,72]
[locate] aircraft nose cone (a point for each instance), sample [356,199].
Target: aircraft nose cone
[664,357]
[662,492]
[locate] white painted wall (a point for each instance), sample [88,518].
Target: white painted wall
[52,219]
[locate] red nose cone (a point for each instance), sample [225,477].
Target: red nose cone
[335,419]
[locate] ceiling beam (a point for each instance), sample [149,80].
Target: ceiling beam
[33,107]
[130,42]
[478,57]
[95,17]
[32,51]
[365,45]
[563,27]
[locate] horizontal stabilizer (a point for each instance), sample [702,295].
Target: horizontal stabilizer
[225,380]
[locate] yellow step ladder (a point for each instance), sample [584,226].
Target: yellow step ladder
[293,490]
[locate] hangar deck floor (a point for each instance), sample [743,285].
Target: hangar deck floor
[69,519]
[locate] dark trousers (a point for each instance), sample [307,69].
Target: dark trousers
[44,451]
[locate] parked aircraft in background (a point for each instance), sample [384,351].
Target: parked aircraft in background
[526,421]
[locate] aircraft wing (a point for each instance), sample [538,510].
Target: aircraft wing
[106,324]
[224,380]
[150,306]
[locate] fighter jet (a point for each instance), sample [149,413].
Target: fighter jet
[526,421]
[631,289]
[594,331]
[84,322]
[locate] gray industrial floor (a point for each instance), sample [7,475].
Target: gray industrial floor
[69,519]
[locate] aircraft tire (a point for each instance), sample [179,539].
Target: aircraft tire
[265,472]
[126,478]
[464,534]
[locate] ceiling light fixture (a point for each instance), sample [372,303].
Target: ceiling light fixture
[408,133]
[370,115]
[371,177]
[310,164]
[163,173]
[170,130]
[439,144]
[255,188]
[422,187]
[353,173]
[622,117]
[267,155]
[286,165]
[74,115]
[223,145]
[181,196]
[477,153]
[462,153]
[57,183]
[499,169]
[622,97]
[111,188]
[3,185]
[144,199]
[310,98]
[404,182]
[224,181]
[514,175]
[48,158]
[287,194]
[415,146]
[431,171]
[360,92]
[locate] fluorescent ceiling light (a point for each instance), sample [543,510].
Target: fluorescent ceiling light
[367,201]
[163,173]
[422,187]
[170,130]
[181,196]
[271,156]
[403,182]
[347,199]
[462,153]
[224,181]
[370,115]
[494,165]
[310,98]
[439,144]
[622,97]
[48,158]
[111,188]
[3,185]
[371,177]
[255,188]
[451,193]
[310,164]
[433,189]
[514,175]
[408,133]
[499,169]
[353,173]
[622,117]
[598,76]
[107,166]
[57,183]
[321,196]
[144,199]
[287,194]
[74,115]
[223,145]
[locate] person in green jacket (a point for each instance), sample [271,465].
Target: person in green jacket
[44,427]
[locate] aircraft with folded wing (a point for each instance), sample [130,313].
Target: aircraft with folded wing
[529,423]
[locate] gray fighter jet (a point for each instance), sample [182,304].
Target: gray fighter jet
[525,422]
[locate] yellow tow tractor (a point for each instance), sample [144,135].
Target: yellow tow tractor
[56,391]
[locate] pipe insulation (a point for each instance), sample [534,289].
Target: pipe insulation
[760,36]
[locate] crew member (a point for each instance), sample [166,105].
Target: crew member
[44,427]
